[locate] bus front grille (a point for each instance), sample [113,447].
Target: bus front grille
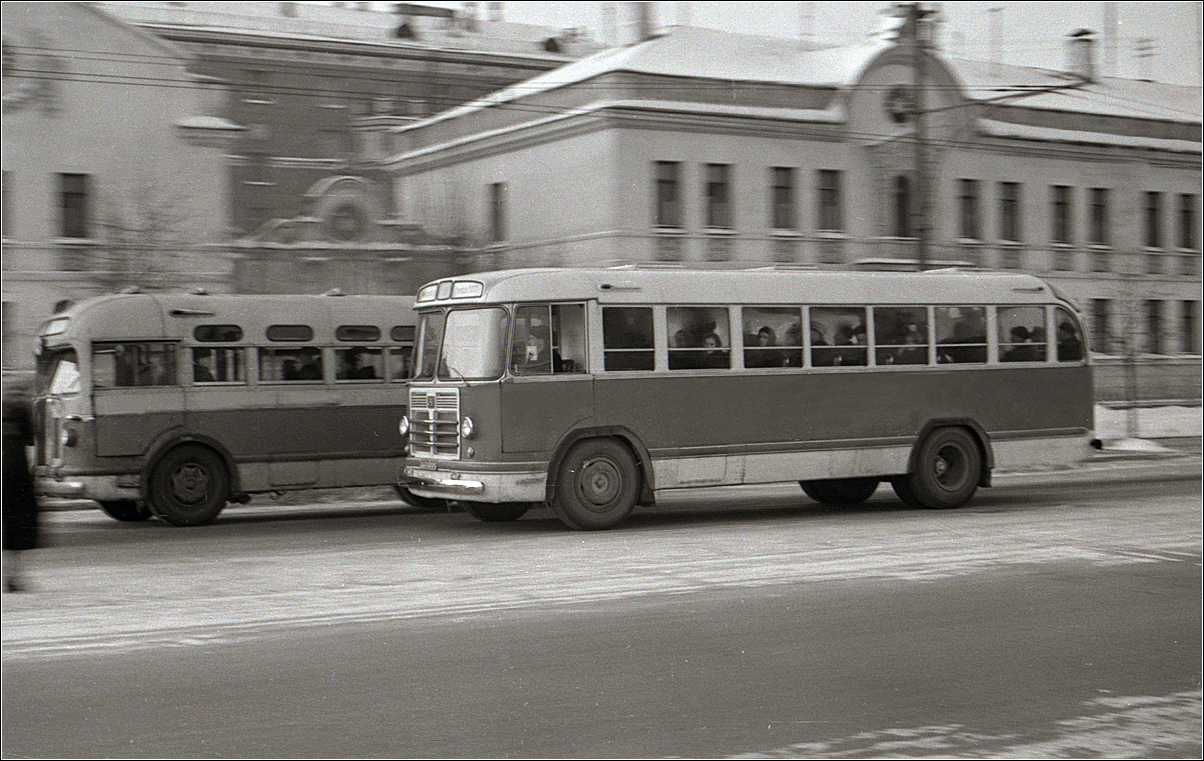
[435,423]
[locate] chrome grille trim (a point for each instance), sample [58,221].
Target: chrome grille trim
[435,423]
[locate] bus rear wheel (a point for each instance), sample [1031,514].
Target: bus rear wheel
[496,513]
[840,491]
[189,486]
[948,469]
[597,485]
[124,509]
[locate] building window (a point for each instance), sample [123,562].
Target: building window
[968,203]
[1153,325]
[1189,221]
[1063,223]
[902,197]
[1153,220]
[718,200]
[1153,264]
[831,218]
[1191,320]
[1101,331]
[1099,232]
[73,202]
[668,189]
[257,87]
[783,200]
[497,212]
[1009,211]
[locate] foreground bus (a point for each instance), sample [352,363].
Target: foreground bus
[175,404]
[591,390]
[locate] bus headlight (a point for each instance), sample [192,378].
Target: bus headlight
[69,437]
[403,425]
[468,429]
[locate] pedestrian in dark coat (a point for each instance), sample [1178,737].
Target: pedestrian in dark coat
[20,503]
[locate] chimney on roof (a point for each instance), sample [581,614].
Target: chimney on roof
[1080,54]
[639,24]
[494,11]
[288,10]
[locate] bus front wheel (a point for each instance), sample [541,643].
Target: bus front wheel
[948,468]
[188,486]
[840,491]
[597,485]
[124,509]
[496,513]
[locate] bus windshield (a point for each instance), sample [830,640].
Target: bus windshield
[474,344]
[63,374]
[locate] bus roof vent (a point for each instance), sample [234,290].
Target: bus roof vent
[130,289]
[334,292]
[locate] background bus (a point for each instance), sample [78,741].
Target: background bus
[590,390]
[175,404]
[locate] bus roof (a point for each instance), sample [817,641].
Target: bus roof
[749,286]
[131,316]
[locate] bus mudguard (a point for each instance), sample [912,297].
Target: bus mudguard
[984,443]
[647,495]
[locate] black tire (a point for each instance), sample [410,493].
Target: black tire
[840,491]
[500,512]
[948,468]
[434,504]
[124,509]
[597,485]
[189,486]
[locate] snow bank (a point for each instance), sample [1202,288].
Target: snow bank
[1151,422]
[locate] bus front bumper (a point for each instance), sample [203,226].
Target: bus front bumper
[476,486]
[103,488]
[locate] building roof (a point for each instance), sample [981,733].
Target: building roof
[299,20]
[706,54]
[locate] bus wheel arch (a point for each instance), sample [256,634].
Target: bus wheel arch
[597,483]
[188,484]
[976,431]
[947,466]
[626,437]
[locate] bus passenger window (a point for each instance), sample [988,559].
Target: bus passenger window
[627,338]
[218,365]
[1022,334]
[698,338]
[1070,338]
[359,363]
[400,359]
[568,338]
[135,364]
[772,337]
[531,350]
[900,335]
[838,336]
[290,365]
[961,335]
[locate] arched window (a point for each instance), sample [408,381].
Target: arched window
[902,192]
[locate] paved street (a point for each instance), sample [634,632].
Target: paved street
[1056,615]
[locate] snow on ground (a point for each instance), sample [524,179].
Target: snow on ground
[1150,422]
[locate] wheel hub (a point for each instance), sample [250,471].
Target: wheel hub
[190,483]
[599,482]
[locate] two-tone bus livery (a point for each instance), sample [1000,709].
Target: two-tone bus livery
[591,389]
[174,404]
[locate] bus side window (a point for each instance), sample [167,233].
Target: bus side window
[1022,334]
[961,335]
[838,336]
[568,338]
[218,365]
[772,337]
[531,349]
[359,363]
[699,338]
[900,335]
[290,365]
[627,338]
[1070,337]
[400,361]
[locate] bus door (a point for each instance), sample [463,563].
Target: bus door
[136,394]
[547,390]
